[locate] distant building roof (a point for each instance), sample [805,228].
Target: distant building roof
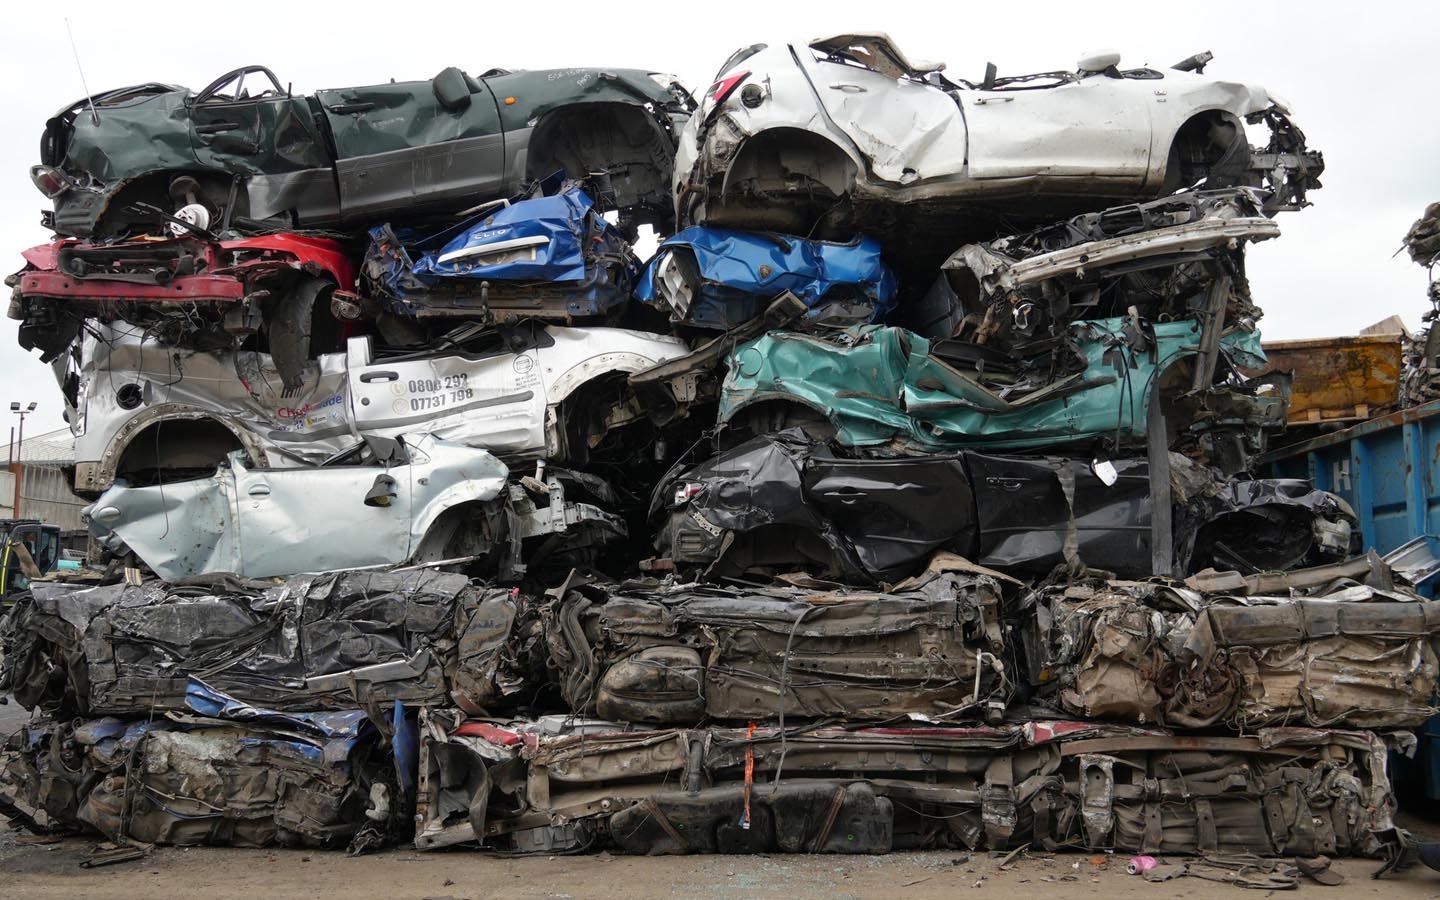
[53,448]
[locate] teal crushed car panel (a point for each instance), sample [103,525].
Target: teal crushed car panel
[880,384]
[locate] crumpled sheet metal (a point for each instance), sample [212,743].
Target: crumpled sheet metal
[1178,257]
[883,386]
[559,243]
[651,654]
[1076,785]
[1420,376]
[1262,524]
[1347,655]
[240,388]
[1092,242]
[221,773]
[311,642]
[782,502]
[735,273]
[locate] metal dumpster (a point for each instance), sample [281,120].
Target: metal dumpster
[1386,468]
[1338,379]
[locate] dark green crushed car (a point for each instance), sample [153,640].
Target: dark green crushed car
[245,151]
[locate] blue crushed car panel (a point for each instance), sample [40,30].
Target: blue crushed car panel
[720,277]
[553,256]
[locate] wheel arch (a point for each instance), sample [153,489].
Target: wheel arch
[618,130]
[1194,131]
[835,167]
[99,475]
[432,533]
[153,187]
[579,388]
[783,410]
[590,371]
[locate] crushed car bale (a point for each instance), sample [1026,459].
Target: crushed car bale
[1345,655]
[311,642]
[1053,784]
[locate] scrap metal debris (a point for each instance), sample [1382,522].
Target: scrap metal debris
[1346,655]
[1421,378]
[642,653]
[905,498]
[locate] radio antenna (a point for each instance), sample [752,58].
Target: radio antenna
[94,116]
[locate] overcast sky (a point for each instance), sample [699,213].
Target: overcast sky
[1360,78]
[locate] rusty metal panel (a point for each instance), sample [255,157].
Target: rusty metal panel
[1339,379]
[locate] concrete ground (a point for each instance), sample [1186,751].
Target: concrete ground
[53,871]
[11,716]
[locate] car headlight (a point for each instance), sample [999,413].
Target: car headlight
[663,79]
[686,491]
[51,181]
[672,284]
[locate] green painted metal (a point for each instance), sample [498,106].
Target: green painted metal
[154,132]
[880,384]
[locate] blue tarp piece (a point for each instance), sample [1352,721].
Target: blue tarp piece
[742,271]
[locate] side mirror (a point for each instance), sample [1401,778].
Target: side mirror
[1098,61]
[451,89]
[382,492]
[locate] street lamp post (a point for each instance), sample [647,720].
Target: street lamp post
[16,466]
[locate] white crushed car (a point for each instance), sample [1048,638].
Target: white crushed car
[842,131]
[144,411]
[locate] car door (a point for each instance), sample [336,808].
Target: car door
[245,122]
[895,512]
[397,146]
[1096,128]
[179,528]
[317,519]
[489,394]
[1025,514]
[906,129]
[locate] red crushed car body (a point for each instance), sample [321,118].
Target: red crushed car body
[102,277]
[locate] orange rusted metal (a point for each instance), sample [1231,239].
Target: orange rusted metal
[1339,379]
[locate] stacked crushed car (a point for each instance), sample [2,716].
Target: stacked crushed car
[1421,377]
[902,498]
